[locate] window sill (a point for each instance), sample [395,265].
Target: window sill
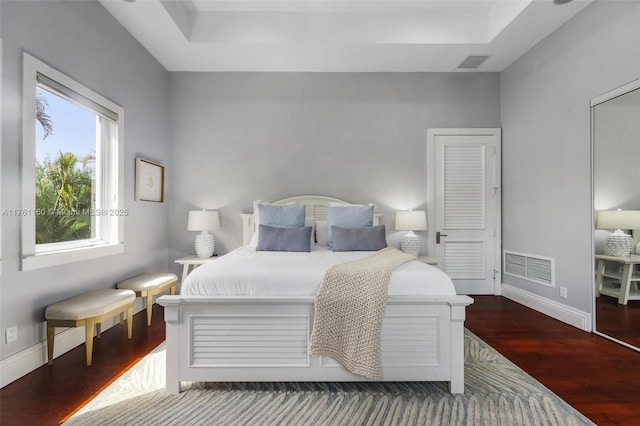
[47,260]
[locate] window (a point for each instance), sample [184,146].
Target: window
[72,170]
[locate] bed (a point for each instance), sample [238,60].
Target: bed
[258,330]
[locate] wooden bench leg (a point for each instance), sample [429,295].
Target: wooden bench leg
[98,329]
[51,333]
[88,331]
[149,308]
[130,322]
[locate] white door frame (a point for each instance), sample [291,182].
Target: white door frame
[1,117]
[495,199]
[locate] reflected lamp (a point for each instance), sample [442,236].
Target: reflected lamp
[618,243]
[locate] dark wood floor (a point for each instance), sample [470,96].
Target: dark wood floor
[599,378]
[619,321]
[49,395]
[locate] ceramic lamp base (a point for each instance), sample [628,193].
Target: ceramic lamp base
[618,244]
[205,244]
[410,243]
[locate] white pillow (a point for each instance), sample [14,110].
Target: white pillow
[254,238]
[322,233]
[308,221]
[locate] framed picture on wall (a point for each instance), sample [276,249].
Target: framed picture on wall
[149,181]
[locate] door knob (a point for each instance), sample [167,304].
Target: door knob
[438,235]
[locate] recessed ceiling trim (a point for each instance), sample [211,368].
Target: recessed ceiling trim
[337,28]
[502,14]
[432,6]
[179,34]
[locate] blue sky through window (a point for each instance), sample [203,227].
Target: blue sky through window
[74,129]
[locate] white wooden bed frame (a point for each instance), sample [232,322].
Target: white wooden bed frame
[256,339]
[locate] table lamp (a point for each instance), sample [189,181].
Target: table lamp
[618,243]
[204,220]
[413,220]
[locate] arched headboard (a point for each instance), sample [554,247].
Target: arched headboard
[315,205]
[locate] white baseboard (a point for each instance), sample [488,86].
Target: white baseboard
[22,363]
[564,313]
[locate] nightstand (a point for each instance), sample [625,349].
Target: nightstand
[192,261]
[620,284]
[428,260]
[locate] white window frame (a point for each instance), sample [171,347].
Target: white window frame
[112,217]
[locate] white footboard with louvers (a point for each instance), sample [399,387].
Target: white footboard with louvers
[233,339]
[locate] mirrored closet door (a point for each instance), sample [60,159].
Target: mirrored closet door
[616,201]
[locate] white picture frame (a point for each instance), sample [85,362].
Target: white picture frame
[149,181]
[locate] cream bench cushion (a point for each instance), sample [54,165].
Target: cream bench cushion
[92,304]
[88,309]
[148,285]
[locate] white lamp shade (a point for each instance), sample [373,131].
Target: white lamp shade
[618,219]
[203,220]
[618,243]
[413,220]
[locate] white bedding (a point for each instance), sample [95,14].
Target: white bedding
[247,272]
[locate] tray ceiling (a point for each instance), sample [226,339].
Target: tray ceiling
[338,35]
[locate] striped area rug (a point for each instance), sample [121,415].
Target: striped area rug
[496,393]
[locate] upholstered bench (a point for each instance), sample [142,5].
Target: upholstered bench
[148,285]
[89,309]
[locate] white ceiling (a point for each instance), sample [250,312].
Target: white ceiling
[338,35]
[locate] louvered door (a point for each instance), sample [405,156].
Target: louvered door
[466,207]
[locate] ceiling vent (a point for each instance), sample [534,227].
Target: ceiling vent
[473,61]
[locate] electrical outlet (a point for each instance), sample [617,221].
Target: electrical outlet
[11,334]
[563,292]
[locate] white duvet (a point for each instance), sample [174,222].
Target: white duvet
[247,272]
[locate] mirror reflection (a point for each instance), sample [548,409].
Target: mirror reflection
[616,195]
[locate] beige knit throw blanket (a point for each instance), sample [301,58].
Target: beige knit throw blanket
[349,308]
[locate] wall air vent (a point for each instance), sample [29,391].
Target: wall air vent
[538,269]
[473,61]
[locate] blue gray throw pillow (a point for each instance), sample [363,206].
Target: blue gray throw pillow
[359,239]
[348,216]
[280,215]
[280,238]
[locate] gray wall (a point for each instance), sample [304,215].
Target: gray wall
[239,137]
[84,41]
[546,140]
